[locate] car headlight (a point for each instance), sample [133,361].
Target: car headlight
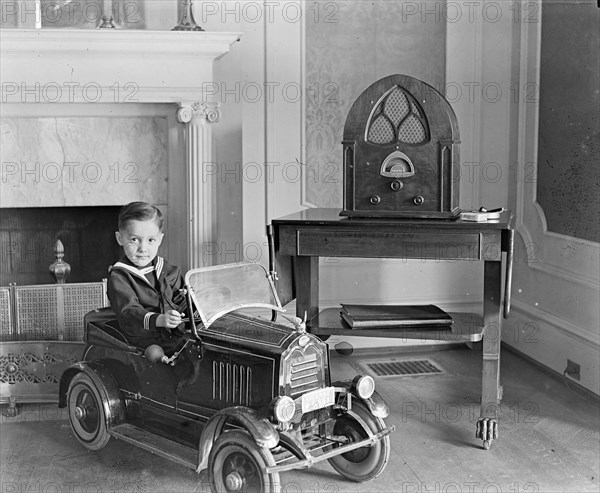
[284,409]
[365,386]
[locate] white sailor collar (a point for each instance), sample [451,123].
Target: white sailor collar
[156,265]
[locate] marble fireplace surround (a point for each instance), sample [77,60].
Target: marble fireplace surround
[151,76]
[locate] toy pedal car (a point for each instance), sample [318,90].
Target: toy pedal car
[242,396]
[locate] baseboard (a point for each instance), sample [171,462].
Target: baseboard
[569,383]
[550,343]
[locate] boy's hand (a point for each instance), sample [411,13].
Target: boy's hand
[170,319]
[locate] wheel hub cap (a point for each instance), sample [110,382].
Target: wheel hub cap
[80,413]
[233,481]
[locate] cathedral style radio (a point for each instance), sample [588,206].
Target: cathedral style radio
[401,152]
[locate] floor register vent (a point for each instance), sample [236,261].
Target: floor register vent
[405,367]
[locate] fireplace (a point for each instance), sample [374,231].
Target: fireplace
[28,237]
[93,119]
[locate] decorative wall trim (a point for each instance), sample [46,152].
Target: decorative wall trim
[562,256]
[464,66]
[581,334]
[559,263]
[284,116]
[304,202]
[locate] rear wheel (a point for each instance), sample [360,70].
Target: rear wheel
[86,413]
[236,463]
[364,463]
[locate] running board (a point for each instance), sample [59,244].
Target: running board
[156,444]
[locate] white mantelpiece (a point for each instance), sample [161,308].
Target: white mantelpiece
[59,68]
[109,66]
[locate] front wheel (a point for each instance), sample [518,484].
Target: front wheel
[236,463]
[365,463]
[86,413]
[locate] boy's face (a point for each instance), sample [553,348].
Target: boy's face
[140,241]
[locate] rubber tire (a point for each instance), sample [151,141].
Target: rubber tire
[236,450]
[91,431]
[365,463]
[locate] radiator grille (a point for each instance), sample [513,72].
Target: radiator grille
[304,374]
[232,383]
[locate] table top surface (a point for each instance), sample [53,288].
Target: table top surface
[331,218]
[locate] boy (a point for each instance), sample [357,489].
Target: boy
[143,288]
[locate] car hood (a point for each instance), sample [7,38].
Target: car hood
[247,331]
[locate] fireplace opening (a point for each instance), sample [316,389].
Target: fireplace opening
[28,237]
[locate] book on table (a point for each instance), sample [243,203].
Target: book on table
[394,316]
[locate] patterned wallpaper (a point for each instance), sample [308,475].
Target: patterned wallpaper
[350,45]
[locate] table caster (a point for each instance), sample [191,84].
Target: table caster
[487,430]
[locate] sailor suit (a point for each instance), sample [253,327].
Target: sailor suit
[139,296]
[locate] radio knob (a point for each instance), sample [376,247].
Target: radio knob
[396,185]
[375,199]
[418,200]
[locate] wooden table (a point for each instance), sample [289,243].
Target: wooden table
[299,240]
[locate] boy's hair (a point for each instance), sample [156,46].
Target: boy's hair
[140,211]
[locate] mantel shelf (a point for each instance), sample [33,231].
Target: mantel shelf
[109,66]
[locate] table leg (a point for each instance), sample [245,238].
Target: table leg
[491,391]
[307,287]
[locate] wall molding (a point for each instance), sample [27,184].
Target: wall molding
[562,256]
[574,331]
[464,65]
[304,202]
[567,325]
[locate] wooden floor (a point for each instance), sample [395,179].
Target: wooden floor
[549,440]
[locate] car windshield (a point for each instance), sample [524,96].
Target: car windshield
[218,290]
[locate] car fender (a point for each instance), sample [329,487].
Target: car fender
[261,430]
[375,403]
[114,409]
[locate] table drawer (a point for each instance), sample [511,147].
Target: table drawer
[419,245]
